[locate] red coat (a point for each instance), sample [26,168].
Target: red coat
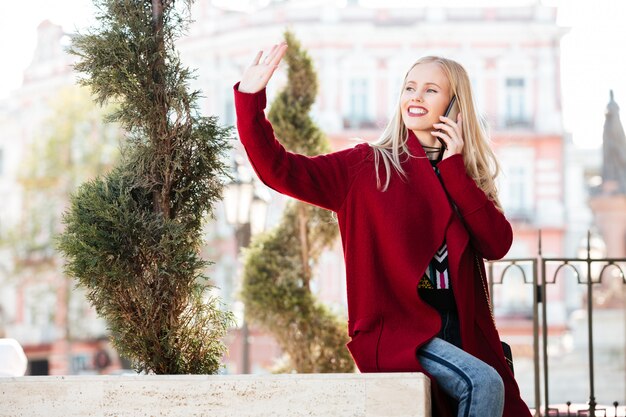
[388,241]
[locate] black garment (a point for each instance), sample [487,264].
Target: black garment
[443,302]
[441,299]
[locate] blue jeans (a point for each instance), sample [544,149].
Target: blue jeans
[475,385]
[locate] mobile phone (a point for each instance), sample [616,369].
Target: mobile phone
[452,112]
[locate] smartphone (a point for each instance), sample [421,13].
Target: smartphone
[452,112]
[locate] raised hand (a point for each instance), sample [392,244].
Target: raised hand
[258,74]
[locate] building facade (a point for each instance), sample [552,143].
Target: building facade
[360,53]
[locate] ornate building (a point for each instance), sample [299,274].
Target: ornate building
[40,308]
[361,54]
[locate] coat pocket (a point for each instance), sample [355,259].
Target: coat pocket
[363,347]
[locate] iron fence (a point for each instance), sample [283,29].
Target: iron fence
[539,280]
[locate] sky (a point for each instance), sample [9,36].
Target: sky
[593,51]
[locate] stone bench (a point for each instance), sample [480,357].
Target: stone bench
[323,395]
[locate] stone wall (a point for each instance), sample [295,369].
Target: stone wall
[293,395]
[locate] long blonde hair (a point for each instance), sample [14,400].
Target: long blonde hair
[480,161]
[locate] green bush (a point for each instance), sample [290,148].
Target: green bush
[277,272]
[133,236]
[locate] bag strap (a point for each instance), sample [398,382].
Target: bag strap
[508,356]
[482,280]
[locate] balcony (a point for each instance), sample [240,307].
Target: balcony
[359,123]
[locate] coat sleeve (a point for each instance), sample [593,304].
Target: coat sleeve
[491,233]
[322,180]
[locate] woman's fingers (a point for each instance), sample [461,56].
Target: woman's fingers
[451,133]
[441,135]
[272,58]
[444,127]
[278,53]
[258,74]
[451,127]
[448,123]
[257,58]
[268,56]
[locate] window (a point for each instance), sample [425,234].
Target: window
[358,103]
[229,108]
[516,102]
[516,183]
[358,99]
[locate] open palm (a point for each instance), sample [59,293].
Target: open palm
[258,74]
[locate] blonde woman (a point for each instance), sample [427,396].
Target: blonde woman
[417,212]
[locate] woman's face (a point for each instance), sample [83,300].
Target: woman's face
[425,97]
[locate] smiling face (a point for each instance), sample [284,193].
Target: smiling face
[425,97]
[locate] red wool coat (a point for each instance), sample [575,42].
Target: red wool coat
[388,241]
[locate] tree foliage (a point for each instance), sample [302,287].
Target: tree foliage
[277,270]
[69,146]
[133,236]
[72,145]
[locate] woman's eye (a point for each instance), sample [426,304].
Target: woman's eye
[408,88]
[430,90]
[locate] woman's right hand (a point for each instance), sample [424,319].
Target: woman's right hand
[258,74]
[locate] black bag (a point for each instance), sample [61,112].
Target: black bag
[508,355]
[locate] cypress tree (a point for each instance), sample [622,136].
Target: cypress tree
[277,270]
[133,236]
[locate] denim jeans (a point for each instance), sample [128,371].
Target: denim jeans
[475,385]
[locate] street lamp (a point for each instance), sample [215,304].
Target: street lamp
[246,211]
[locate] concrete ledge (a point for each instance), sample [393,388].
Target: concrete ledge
[323,395]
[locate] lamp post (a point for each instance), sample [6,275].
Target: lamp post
[246,212]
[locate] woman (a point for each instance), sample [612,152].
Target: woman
[416,218]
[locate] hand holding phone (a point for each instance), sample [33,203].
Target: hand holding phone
[451,112]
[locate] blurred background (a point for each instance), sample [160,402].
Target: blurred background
[542,72]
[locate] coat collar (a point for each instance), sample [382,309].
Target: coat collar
[414,145]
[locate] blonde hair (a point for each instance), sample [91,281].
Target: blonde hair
[480,161]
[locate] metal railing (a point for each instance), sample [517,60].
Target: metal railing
[539,281]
